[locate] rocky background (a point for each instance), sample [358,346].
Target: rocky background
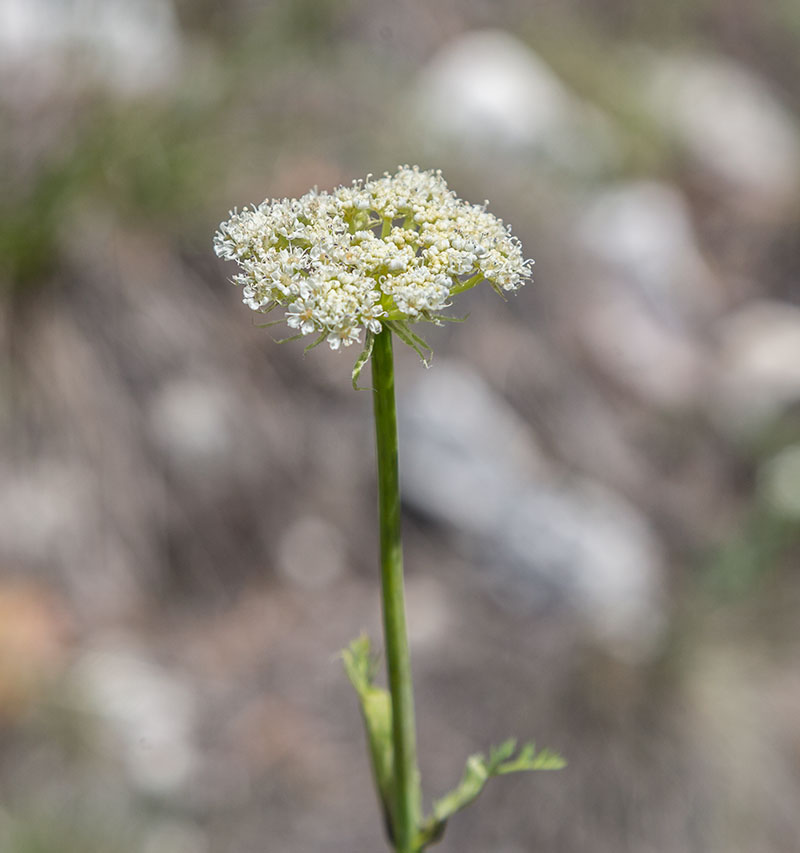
[601,476]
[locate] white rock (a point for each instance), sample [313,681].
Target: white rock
[462,448]
[312,553]
[131,46]
[644,231]
[54,519]
[592,547]
[658,364]
[643,313]
[190,422]
[729,121]
[43,510]
[469,462]
[149,713]
[758,365]
[488,90]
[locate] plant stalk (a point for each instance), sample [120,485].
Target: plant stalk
[407,804]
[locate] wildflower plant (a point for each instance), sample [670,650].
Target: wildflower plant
[374,258]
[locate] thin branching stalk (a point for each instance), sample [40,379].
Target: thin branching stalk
[398,661]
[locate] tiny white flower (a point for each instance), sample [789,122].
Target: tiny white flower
[343,337]
[332,263]
[370,318]
[301,316]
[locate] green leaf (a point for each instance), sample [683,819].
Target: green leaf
[419,343]
[376,710]
[529,759]
[499,754]
[316,342]
[369,342]
[359,664]
[477,772]
[466,285]
[290,338]
[441,319]
[548,760]
[498,290]
[420,347]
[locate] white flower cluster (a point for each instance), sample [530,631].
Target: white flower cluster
[387,250]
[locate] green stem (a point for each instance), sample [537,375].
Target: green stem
[407,805]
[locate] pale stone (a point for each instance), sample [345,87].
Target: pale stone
[470,463]
[757,375]
[312,553]
[130,46]
[487,90]
[147,711]
[730,123]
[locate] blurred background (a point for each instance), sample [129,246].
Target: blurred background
[601,476]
